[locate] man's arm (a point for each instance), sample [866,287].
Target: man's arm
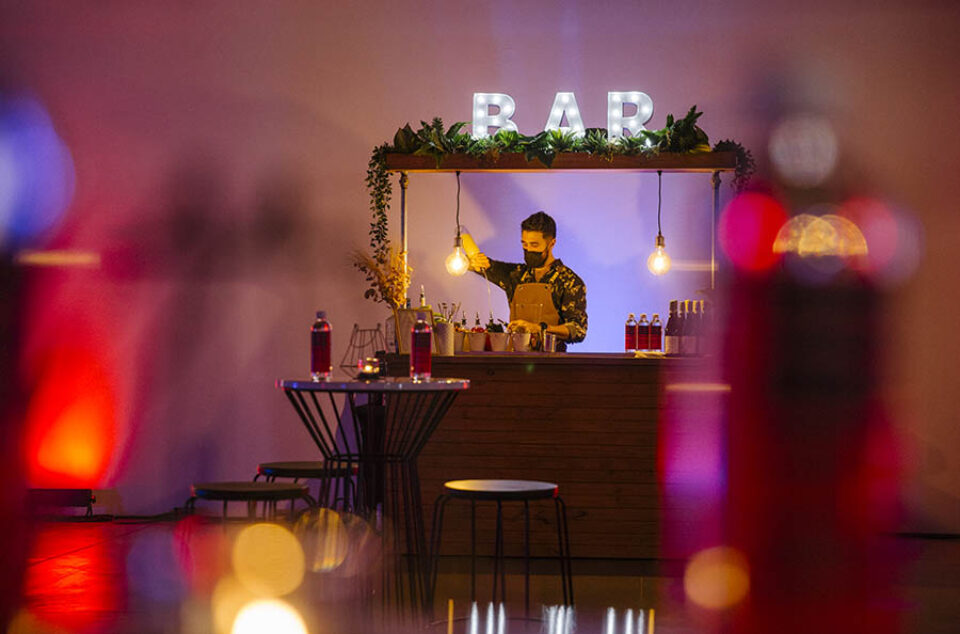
[494,270]
[573,312]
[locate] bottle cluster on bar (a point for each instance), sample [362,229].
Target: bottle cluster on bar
[687,328]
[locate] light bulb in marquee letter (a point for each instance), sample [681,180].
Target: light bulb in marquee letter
[483,120]
[566,102]
[616,122]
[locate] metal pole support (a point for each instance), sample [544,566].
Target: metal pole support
[403,217]
[715,180]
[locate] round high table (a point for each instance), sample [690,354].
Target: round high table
[381,426]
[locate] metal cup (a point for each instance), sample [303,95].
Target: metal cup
[549,342]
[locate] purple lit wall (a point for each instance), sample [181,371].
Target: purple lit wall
[219,154]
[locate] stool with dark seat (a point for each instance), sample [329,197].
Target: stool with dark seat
[332,472]
[501,491]
[252,493]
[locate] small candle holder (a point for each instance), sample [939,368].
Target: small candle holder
[368,369]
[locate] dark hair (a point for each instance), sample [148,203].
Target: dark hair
[541,222]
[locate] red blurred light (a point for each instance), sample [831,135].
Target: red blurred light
[747,229]
[70,426]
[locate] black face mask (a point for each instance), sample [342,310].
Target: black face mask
[534,259]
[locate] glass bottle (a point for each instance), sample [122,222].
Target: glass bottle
[682,317]
[688,340]
[420,360]
[656,333]
[630,334]
[643,333]
[321,335]
[671,335]
[701,328]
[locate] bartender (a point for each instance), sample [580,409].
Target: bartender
[545,295]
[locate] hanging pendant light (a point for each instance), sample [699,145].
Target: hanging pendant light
[457,262]
[659,261]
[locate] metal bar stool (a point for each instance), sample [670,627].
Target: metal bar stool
[336,473]
[252,493]
[501,491]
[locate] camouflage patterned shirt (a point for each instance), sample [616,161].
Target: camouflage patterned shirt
[569,292]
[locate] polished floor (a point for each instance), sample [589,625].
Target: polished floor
[182,576]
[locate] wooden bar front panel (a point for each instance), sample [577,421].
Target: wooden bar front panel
[586,422]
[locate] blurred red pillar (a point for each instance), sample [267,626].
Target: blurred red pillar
[13,526]
[810,495]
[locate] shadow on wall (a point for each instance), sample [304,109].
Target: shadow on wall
[217,280]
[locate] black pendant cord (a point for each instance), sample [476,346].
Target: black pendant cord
[458,204]
[659,199]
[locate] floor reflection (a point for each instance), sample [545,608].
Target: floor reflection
[181,577]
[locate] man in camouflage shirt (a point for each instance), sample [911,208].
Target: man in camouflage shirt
[538,235]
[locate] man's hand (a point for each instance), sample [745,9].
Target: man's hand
[479,262]
[521,325]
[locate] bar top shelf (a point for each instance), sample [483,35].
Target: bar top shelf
[706,162]
[558,358]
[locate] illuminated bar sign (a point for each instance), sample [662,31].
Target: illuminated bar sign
[565,103]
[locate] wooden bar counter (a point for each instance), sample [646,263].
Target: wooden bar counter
[585,421]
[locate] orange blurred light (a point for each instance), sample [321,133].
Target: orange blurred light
[747,230]
[717,578]
[268,560]
[70,422]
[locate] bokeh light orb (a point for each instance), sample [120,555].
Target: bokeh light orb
[36,172]
[228,598]
[268,560]
[717,578]
[332,541]
[269,615]
[803,149]
[894,236]
[817,235]
[747,230]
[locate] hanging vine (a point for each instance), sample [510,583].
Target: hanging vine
[383,267]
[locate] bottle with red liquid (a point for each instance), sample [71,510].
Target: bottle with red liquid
[643,333]
[630,334]
[656,333]
[420,336]
[321,341]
